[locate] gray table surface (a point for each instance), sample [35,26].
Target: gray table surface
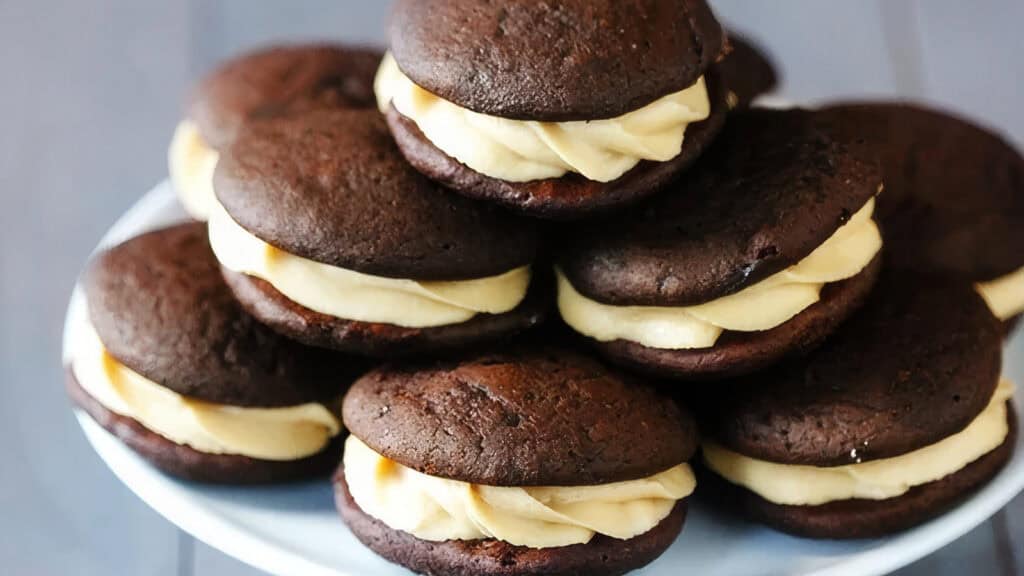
[91,90]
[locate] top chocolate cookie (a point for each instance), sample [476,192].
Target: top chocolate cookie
[954,192]
[279,79]
[770,191]
[527,417]
[331,186]
[161,308]
[554,61]
[916,365]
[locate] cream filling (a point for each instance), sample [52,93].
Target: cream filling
[355,296]
[1005,295]
[438,509]
[762,306]
[520,151]
[288,433]
[192,162]
[874,480]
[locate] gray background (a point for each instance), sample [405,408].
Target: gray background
[90,91]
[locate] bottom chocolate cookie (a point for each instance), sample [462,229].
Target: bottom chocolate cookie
[860,518]
[184,462]
[738,353]
[295,321]
[602,556]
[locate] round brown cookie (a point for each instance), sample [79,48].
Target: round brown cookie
[916,365]
[381,340]
[747,72]
[184,462]
[737,353]
[331,186]
[161,308]
[530,417]
[860,518]
[281,79]
[771,190]
[601,556]
[570,60]
[954,192]
[572,195]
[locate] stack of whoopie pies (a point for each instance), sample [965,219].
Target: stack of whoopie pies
[498,276]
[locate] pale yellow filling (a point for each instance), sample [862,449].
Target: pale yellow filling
[762,306]
[1005,295]
[288,433]
[873,480]
[355,296]
[192,162]
[437,509]
[520,151]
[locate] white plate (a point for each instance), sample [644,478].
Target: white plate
[294,530]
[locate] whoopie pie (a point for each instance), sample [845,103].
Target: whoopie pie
[261,84]
[897,417]
[172,366]
[954,200]
[556,109]
[524,462]
[759,252]
[329,237]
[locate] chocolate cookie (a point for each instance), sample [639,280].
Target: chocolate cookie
[158,307]
[540,418]
[943,376]
[328,189]
[278,80]
[855,401]
[330,186]
[747,72]
[574,60]
[161,308]
[770,192]
[954,192]
[571,196]
[536,417]
[601,556]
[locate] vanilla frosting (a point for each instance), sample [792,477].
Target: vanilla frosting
[798,485]
[762,306]
[288,433]
[355,296]
[520,151]
[192,162]
[437,509]
[1004,295]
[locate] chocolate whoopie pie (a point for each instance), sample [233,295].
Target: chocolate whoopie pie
[954,200]
[256,85]
[170,364]
[553,109]
[759,252]
[526,462]
[747,72]
[897,417]
[328,236]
